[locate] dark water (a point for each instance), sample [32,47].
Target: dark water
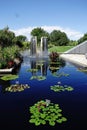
[14,106]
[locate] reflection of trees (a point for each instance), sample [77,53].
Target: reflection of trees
[55,66]
[33,66]
[44,69]
[40,65]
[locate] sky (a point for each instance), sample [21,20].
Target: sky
[22,16]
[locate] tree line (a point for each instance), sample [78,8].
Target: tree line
[8,38]
[56,38]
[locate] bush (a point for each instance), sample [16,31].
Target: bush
[54,56]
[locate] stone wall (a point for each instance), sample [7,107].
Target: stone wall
[79,49]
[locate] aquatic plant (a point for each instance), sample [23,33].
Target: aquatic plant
[55,65]
[54,68]
[17,87]
[32,70]
[39,64]
[46,112]
[82,69]
[60,74]
[39,78]
[54,62]
[9,77]
[54,56]
[59,88]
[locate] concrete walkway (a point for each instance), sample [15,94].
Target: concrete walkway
[6,70]
[78,59]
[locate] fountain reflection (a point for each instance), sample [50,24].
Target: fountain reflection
[54,66]
[39,67]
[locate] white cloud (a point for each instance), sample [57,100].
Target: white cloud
[72,34]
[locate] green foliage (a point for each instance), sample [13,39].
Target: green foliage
[43,112]
[8,54]
[82,39]
[3,64]
[82,69]
[60,74]
[59,88]
[72,43]
[9,77]
[6,37]
[32,70]
[58,38]
[21,38]
[60,49]
[26,45]
[39,32]
[18,40]
[55,65]
[39,78]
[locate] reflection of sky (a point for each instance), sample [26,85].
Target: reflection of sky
[17,104]
[76,78]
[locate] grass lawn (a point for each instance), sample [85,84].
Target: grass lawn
[60,49]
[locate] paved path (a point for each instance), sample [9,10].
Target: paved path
[78,59]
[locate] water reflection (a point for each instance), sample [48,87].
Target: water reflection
[38,68]
[54,66]
[4,85]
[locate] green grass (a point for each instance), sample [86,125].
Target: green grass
[60,49]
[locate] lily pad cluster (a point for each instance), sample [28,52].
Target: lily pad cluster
[43,113]
[39,64]
[54,68]
[9,77]
[39,78]
[32,70]
[82,69]
[17,87]
[59,88]
[60,74]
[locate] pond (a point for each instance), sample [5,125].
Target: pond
[39,75]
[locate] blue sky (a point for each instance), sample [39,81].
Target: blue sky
[21,16]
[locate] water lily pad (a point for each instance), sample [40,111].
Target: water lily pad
[82,69]
[59,88]
[39,78]
[43,113]
[60,74]
[32,70]
[17,87]
[9,77]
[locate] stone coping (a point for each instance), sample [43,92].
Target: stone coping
[78,59]
[6,70]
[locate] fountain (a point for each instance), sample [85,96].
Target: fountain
[35,51]
[33,47]
[44,46]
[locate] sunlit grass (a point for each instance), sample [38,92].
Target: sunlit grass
[60,49]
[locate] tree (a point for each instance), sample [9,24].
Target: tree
[18,40]
[22,38]
[39,32]
[82,39]
[58,38]
[73,43]
[6,37]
